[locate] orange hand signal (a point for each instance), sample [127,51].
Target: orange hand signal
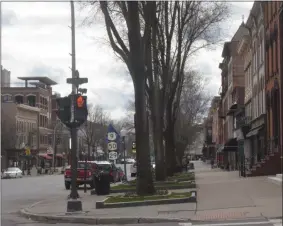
[80,101]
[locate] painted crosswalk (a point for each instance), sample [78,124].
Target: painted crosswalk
[262,222]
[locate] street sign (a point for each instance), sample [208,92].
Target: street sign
[77,81]
[112,146]
[27,151]
[113,155]
[112,136]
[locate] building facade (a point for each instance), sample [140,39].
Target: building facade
[36,95]
[5,77]
[19,129]
[250,112]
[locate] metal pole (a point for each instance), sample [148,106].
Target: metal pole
[85,173]
[125,166]
[54,145]
[74,192]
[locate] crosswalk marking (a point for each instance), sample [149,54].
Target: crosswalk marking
[276,222]
[227,224]
[185,224]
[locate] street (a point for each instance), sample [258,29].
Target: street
[22,192]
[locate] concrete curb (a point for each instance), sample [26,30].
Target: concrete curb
[92,192]
[97,220]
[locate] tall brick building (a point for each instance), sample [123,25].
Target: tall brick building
[273,75]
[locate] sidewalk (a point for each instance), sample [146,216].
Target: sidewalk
[225,193]
[221,195]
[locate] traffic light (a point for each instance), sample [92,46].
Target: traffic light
[80,109]
[64,109]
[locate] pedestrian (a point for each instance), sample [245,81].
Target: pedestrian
[212,163]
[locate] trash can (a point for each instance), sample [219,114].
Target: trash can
[191,166]
[102,184]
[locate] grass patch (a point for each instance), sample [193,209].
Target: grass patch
[182,177]
[171,184]
[122,198]
[171,180]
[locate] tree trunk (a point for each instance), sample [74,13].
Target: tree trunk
[170,143]
[144,175]
[160,172]
[88,152]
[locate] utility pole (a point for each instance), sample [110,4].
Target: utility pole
[73,203]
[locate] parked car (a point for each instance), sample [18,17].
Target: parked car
[133,170]
[109,168]
[87,168]
[122,176]
[12,172]
[90,168]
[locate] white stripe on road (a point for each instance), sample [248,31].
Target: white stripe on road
[185,224]
[225,224]
[276,222]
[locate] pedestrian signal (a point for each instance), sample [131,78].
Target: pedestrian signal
[80,102]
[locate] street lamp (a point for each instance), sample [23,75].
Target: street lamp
[54,143]
[123,134]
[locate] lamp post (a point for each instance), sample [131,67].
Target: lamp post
[54,144]
[123,134]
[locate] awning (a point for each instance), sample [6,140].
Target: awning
[254,131]
[46,156]
[220,148]
[233,108]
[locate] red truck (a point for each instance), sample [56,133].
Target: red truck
[92,167]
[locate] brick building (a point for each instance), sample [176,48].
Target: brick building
[232,77]
[18,129]
[273,74]
[38,96]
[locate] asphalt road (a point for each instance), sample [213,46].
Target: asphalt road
[22,192]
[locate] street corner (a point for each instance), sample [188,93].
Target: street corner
[82,219]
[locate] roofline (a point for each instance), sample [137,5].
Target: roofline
[43,79]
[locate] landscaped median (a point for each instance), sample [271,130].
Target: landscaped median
[161,197]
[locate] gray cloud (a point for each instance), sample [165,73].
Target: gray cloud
[9,18]
[111,99]
[56,74]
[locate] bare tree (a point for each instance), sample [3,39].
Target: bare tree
[131,51]
[194,103]
[183,29]
[94,130]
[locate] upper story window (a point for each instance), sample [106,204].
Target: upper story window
[31,99]
[19,99]
[6,98]
[43,103]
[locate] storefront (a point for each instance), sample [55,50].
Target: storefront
[230,155]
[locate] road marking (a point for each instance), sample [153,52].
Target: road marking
[276,222]
[225,224]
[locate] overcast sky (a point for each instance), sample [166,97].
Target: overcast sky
[36,41]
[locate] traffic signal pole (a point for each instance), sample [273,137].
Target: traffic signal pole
[74,204]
